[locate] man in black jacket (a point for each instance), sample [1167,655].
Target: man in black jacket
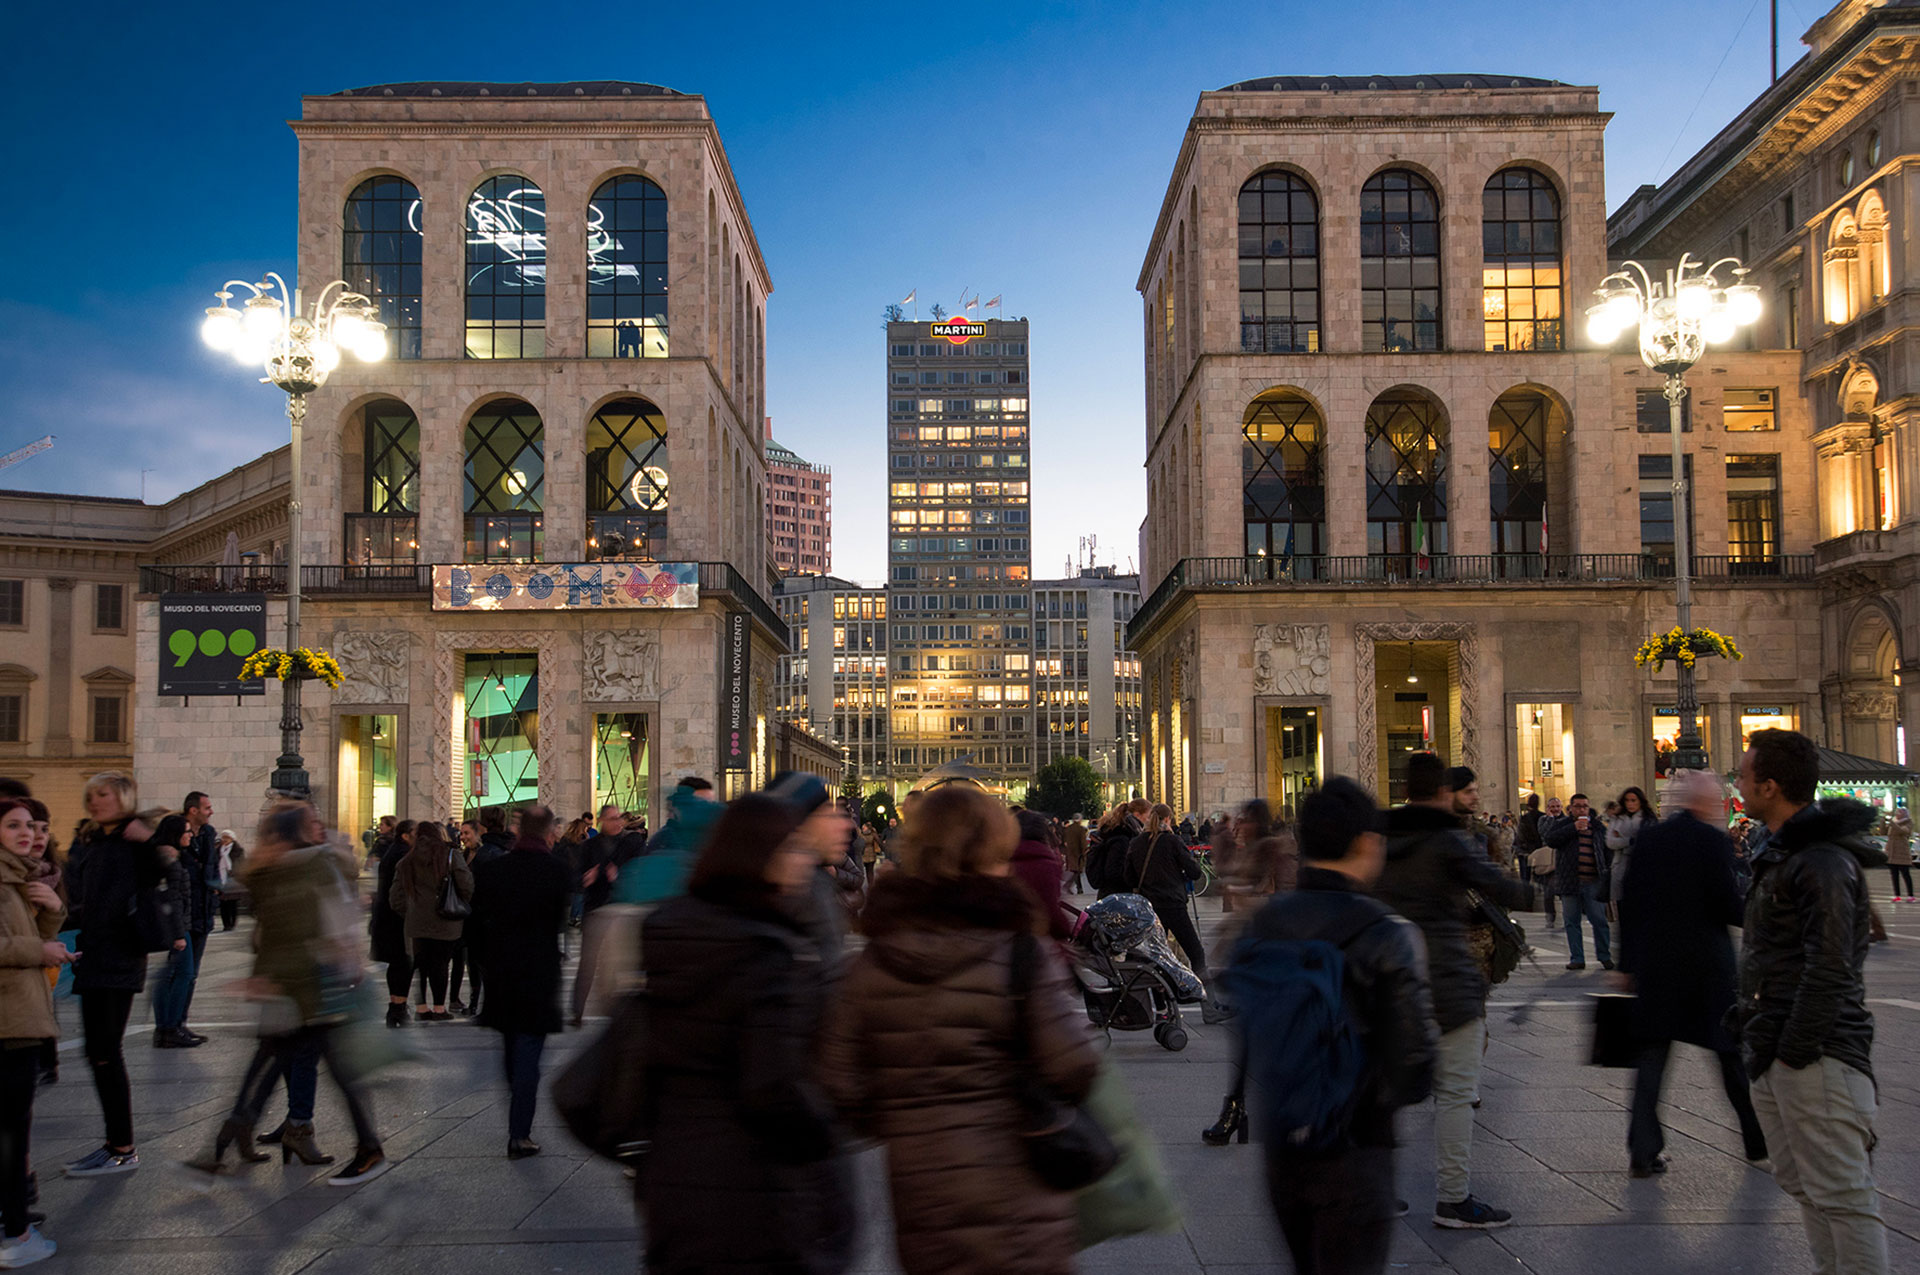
[1806,1032]
[1430,867]
[1336,1208]
[1581,871]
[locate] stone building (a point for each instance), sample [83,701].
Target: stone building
[799,512]
[1814,186]
[1086,681]
[1394,498]
[547,426]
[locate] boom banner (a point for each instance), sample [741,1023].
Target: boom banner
[564,586]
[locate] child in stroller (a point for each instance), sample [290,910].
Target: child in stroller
[1127,971]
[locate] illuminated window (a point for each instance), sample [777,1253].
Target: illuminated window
[505,481]
[506,270]
[1520,278]
[1753,509]
[1748,410]
[1279,265]
[627,270]
[1407,447]
[628,483]
[380,256]
[1283,477]
[1399,262]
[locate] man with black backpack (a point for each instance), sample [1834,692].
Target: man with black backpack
[1338,1029]
[1431,868]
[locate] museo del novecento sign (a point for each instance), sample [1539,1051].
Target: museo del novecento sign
[562,586]
[958,331]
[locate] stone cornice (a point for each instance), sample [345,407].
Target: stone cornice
[1594,121]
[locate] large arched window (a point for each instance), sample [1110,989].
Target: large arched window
[380,255]
[505,482]
[1521,284]
[1517,479]
[506,270]
[1283,468]
[1399,262]
[627,270]
[1407,439]
[387,529]
[1841,274]
[628,480]
[1876,276]
[1279,265]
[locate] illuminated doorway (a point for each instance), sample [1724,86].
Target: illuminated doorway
[368,770]
[622,762]
[1294,757]
[498,716]
[1417,705]
[1543,744]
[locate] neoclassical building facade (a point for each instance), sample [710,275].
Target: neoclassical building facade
[574,385]
[1396,499]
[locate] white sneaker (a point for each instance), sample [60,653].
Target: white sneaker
[25,1250]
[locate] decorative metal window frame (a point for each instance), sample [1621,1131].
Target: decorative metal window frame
[1539,334]
[1305,334]
[1287,411]
[1381,185]
[383,446]
[386,249]
[513,415]
[637,334]
[1527,443]
[1430,420]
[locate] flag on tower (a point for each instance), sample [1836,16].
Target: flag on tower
[994,302]
[975,302]
[908,299]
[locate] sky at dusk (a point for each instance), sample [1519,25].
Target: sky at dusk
[1020,149]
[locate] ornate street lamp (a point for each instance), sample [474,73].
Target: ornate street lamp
[298,352]
[1678,318]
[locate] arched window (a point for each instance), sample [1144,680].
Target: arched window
[1841,268]
[627,270]
[507,270]
[628,482]
[1407,439]
[387,529]
[505,482]
[1520,230]
[1517,480]
[1279,265]
[380,255]
[1399,262]
[1283,468]
[1876,277]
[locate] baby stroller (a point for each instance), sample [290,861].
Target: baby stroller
[1128,973]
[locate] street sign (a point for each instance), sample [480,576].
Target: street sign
[206,637]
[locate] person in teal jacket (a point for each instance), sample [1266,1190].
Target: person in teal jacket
[661,872]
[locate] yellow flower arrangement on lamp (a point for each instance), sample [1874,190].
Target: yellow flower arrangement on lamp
[1687,648]
[303,664]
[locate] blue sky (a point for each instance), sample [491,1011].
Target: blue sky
[1018,149]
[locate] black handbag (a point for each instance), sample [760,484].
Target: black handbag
[155,914]
[601,1093]
[1066,1147]
[452,906]
[1614,1042]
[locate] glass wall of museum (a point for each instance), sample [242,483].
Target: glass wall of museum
[380,484]
[380,251]
[627,269]
[1400,278]
[1279,250]
[1522,285]
[506,269]
[629,480]
[504,485]
[1283,491]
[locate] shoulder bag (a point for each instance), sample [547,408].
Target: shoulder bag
[601,1094]
[1146,861]
[452,906]
[1066,1147]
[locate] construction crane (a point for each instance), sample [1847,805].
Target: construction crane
[19,454]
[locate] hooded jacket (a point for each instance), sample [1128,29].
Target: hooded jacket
[917,1052]
[1803,993]
[1430,867]
[660,872]
[26,1002]
[1040,868]
[746,1174]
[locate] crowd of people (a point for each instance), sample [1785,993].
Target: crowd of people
[1354,972]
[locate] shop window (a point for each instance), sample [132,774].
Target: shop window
[1748,411]
[368,771]
[1543,746]
[1755,717]
[497,746]
[1666,734]
[1520,276]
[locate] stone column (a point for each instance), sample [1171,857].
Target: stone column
[60,684]
[1469,504]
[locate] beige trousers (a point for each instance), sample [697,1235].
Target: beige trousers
[1819,1126]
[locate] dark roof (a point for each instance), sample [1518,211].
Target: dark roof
[778,455]
[531,88]
[1376,83]
[65,495]
[1845,768]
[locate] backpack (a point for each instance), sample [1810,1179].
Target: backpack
[1304,1058]
[1106,862]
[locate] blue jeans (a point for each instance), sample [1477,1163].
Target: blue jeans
[1587,902]
[173,985]
[303,1081]
[522,1050]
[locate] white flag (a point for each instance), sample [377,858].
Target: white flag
[976,301]
[994,303]
[908,299]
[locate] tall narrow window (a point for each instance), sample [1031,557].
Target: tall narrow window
[1753,509]
[380,256]
[1407,441]
[1283,477]
[1517,475]
[628,480]
[1279,265]
[505,481]
[1656,512]
[1520,277]
[387,531]
[507,270]
[1399,262]
[627,270]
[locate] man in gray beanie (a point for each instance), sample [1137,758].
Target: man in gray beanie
[826,830]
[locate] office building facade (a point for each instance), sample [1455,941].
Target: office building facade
[799,512]
[1086,681]
[834,678]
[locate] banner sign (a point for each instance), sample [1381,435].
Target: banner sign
[562,586]
[736,727]
[206,637]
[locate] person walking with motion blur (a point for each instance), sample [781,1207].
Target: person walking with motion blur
[746,1171]
[1158,867]
[917,1052]
[419,887]
[30,916]
[519,911]
[1073,848]
[174,981]
[1678,898]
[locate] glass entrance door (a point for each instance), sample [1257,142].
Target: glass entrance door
[368,772]
[622,762]
[499,716]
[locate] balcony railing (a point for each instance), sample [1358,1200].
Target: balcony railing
[382,539]
[1497,569]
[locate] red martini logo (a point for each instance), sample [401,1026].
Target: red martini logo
[958,331]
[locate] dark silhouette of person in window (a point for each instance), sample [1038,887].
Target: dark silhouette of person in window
[629,347]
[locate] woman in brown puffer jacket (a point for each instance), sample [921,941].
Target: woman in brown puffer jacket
[917,1053]
[418,884]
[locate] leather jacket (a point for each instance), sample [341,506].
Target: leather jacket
[1802,990]
[1386,988]
[1431,865]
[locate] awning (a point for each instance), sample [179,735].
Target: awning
[1846,768]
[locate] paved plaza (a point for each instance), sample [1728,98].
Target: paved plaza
[1550,1146]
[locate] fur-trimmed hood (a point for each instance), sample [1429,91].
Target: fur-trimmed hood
[1837,821]
[923,930]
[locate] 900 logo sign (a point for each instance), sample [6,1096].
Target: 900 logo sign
[183,644]
[205,638]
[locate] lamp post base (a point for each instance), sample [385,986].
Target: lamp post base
[289,779]
[1688,758]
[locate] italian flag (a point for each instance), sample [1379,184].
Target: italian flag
[1421,560]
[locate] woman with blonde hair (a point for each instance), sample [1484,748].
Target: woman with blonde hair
[917,1050]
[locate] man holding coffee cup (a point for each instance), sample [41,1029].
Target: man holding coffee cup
[1580,873]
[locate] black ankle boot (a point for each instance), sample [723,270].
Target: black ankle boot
[1232,1121]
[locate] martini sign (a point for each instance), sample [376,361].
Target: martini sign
[958,331]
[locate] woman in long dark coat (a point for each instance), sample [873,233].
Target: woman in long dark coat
[1679,898]
[746,1173]
[519,909]
[387,928]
